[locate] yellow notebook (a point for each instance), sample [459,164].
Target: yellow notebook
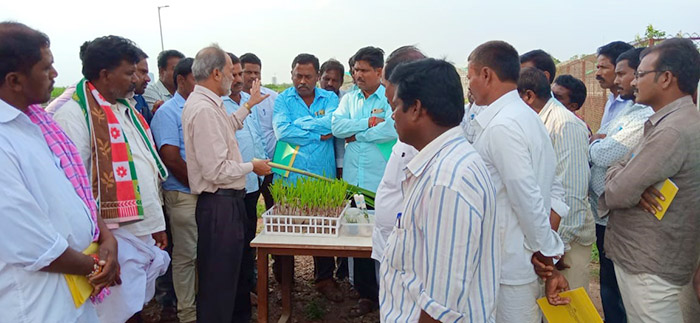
[668,189]
[78,285]
[580,310]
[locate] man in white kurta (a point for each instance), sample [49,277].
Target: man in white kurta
[42,216]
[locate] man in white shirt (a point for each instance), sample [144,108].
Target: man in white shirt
[109,70]
[570,141]
[48,216]
[605,74]
[517,150]
[389,199]
[163,90]
[442,259]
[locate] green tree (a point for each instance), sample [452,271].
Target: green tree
[649,34]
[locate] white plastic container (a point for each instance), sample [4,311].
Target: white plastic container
[363,227]
[302,225]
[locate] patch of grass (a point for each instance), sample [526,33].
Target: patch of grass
[314,310]
[57,91]
[260,209]
[595,257]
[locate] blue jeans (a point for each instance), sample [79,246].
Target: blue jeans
[613,309]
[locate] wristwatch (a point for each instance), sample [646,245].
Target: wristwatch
[247,106]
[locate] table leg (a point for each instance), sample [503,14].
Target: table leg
[262,285]
[287,281]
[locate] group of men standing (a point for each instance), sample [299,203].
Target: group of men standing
[477,207]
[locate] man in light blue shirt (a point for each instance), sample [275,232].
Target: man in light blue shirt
[250,141]
[180,204]
[605,74]
[302,117]
[252,69]
[363,118]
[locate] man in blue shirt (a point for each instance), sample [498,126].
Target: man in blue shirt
[363,119]
[142,73]
[605,74]
[250,141]
[302,117]
[180,204]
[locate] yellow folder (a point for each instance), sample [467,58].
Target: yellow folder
[668,189]
[78,285]
[580,310]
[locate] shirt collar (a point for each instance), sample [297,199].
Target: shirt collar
[209,94]
[8,112]
[495,107]
[547,109]
[379,93]
[670,108]
[244,98]
[179,100]
[418,164]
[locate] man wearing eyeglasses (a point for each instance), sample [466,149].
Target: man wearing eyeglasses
[654,257]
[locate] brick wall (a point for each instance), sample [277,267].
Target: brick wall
[584,69]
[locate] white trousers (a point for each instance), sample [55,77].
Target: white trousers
[648,298]
[141,263]
[518,303]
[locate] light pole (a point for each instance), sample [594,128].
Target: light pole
[162,48]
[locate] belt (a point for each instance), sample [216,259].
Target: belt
[228,192]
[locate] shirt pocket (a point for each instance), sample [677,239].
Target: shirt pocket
[396,246]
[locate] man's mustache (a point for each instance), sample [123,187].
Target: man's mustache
[599,78]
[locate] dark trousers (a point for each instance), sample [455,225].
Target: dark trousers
[325,266]
[265,191]
[610,296]
[366,279]
[251,210]
[222,262]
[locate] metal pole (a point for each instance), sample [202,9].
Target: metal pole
[160,25]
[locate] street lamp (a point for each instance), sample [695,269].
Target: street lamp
[162,48]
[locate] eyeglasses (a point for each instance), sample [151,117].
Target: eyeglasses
[640,74]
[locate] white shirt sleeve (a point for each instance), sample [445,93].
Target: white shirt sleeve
[512,160]
[27,237]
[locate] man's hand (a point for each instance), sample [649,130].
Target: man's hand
[109,276]
[373,121]
[596,137]
[326,137]
[561,265]
[157,105]
[554,220]
[649,202]
[255,96]
[161,239]
[543,265]
[261,167]
[350,139]
[554,285]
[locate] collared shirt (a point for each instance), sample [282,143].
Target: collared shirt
[569,137]
[389,199]
[443,257]
[636,240]
[517,150]
[265,113]
[71,118]
[42,216]
[142,107]
[167,130]
[213,158]
[156,91]
[339,142]
[249,139]
[299,124]
[623,133]
[363,163]
[613,106]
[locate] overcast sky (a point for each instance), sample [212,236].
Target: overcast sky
[278,30]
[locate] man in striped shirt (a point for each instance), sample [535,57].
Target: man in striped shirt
[442,260]
[570,142]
